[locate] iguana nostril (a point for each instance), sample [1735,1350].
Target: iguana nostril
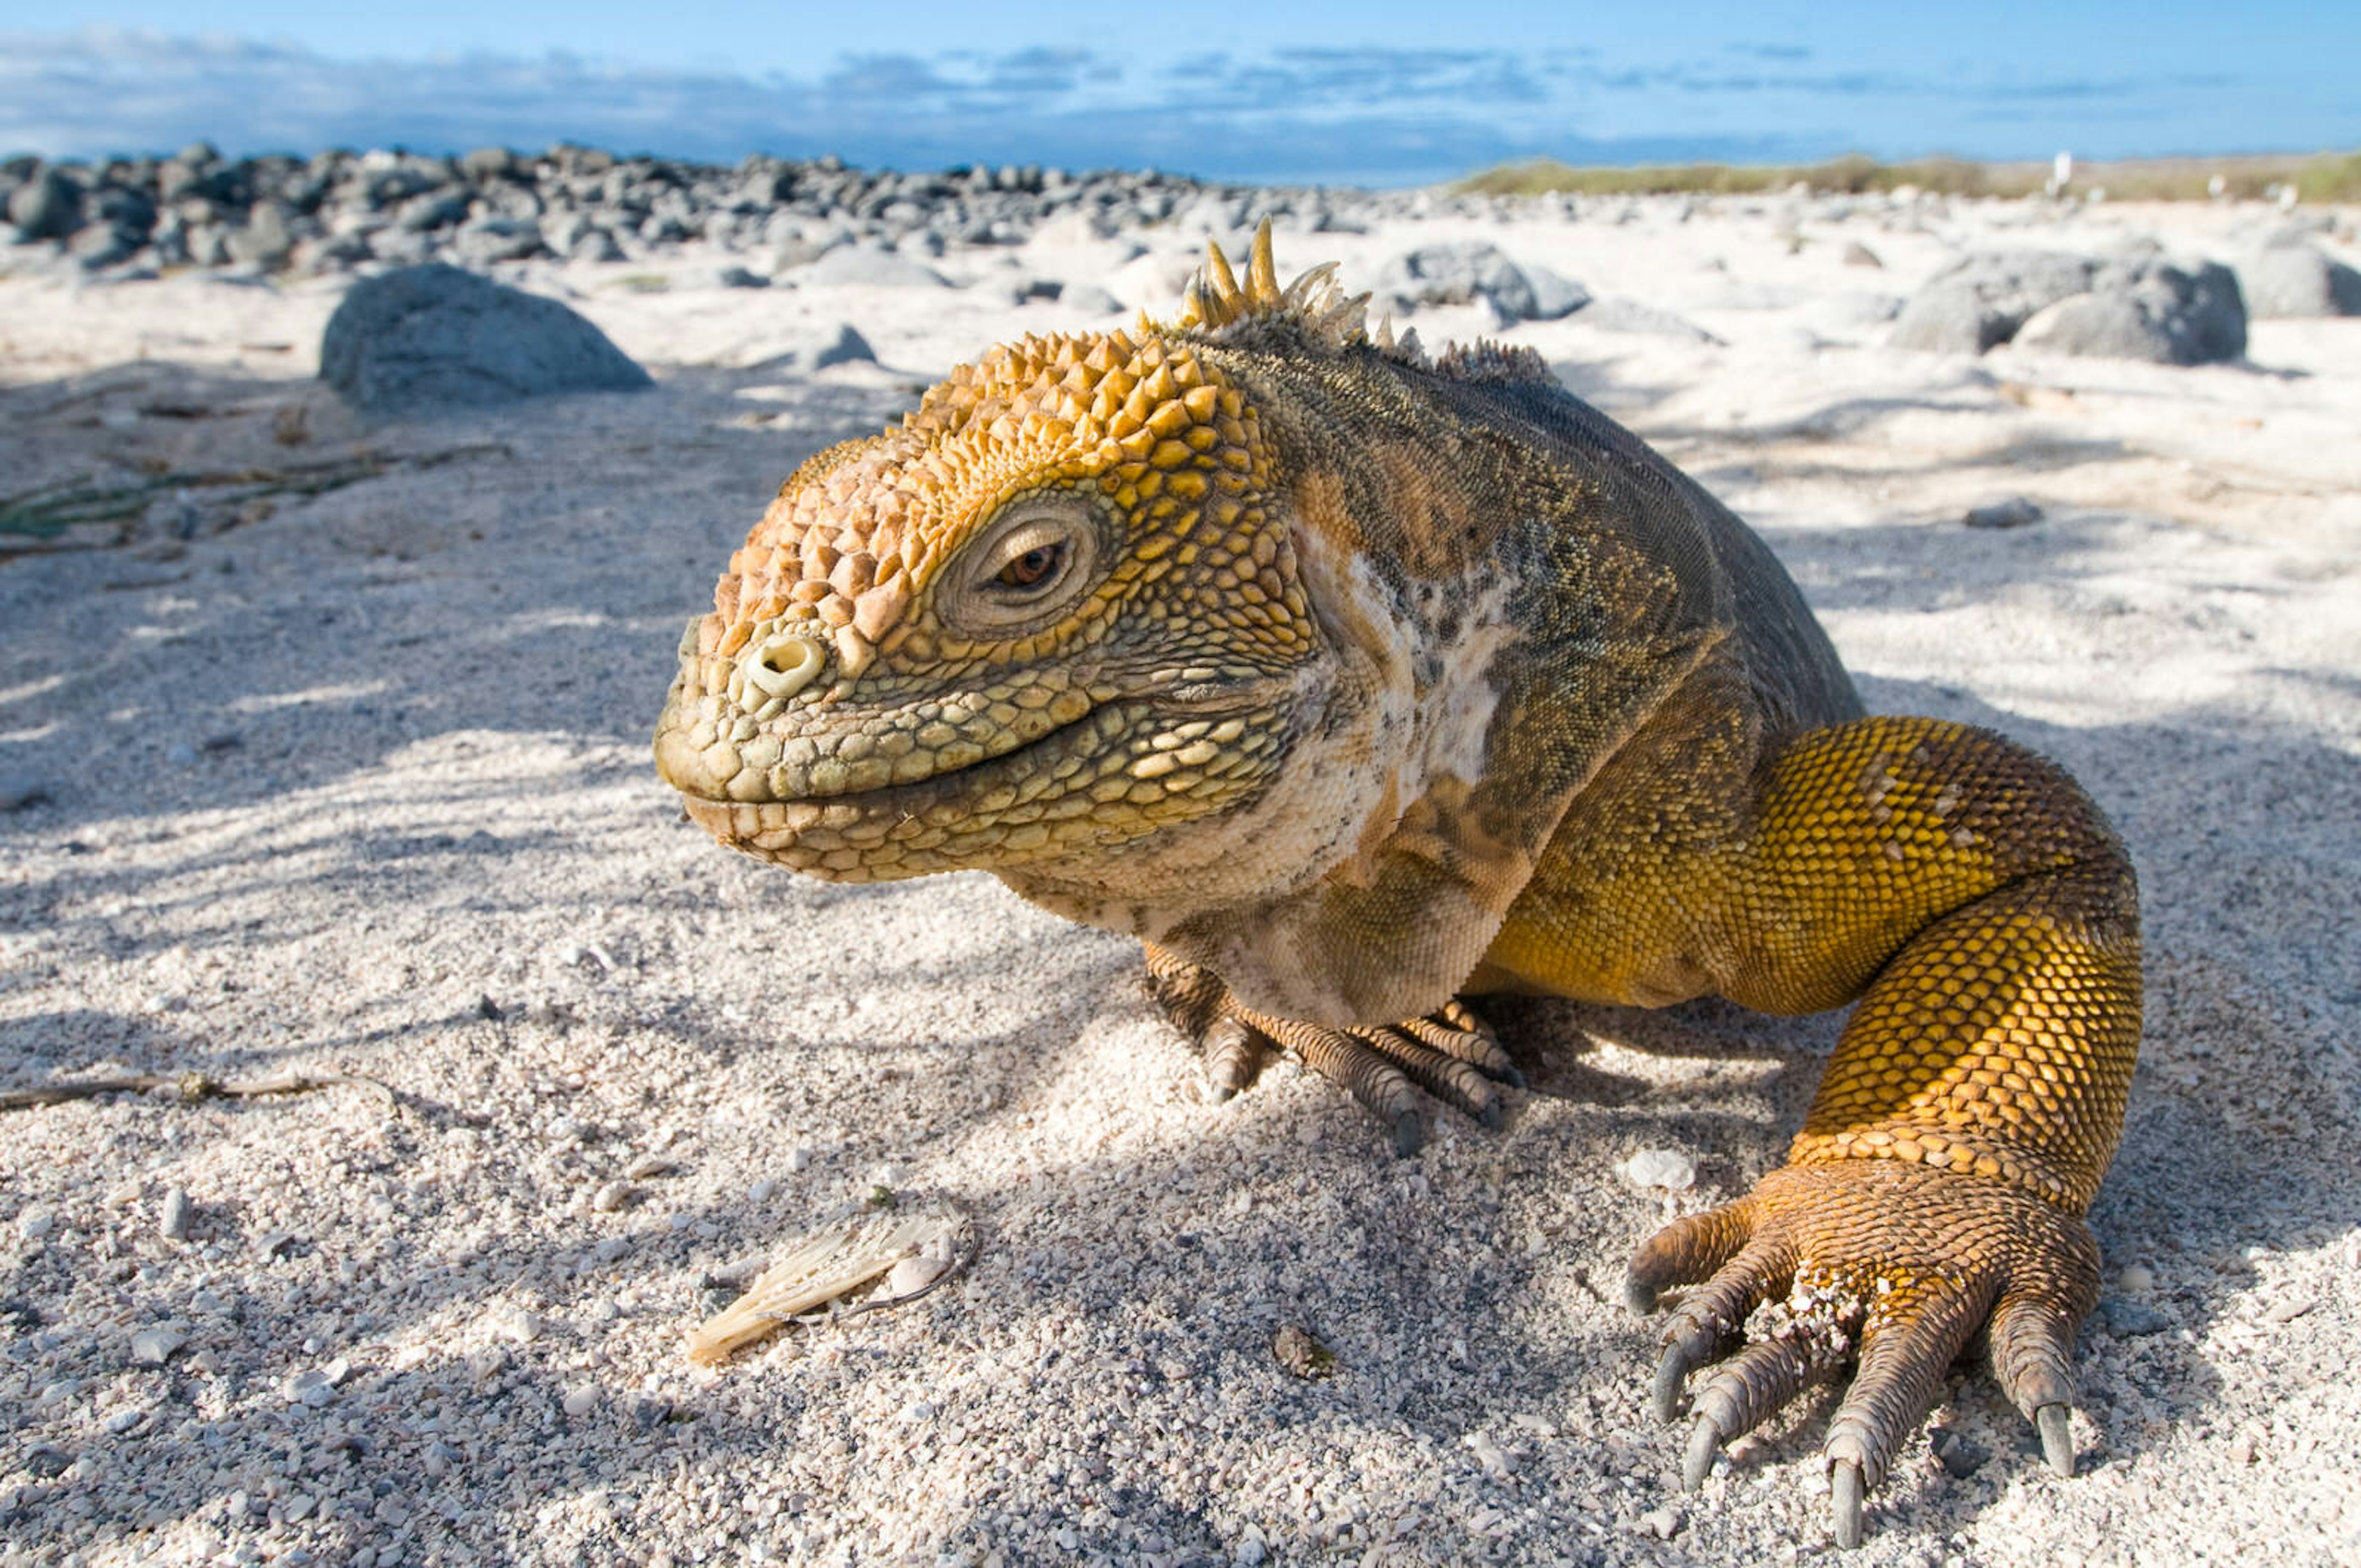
[782,666]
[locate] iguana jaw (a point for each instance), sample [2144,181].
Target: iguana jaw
[871,794]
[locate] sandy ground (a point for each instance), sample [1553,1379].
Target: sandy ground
[359,783]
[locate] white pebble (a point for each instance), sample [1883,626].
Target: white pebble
[646,1165]
[2138,1279]
[311,1388]
[514,1323]
[611,1197]
[1497,1460]
[581,1402]
[799,1157]
[762,1191]
[36,1221]
[914,1274]
[124,1421]
[153,1347]
[173,1219]
[1668,1168]
[1661,1522]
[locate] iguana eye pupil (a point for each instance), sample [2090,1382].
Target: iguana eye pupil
[1032,567]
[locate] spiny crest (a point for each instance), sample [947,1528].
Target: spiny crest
[1216,304]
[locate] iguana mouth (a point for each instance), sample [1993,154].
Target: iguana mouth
[1116,772]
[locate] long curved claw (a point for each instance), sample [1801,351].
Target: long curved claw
[1845,1490]
[2057,1438]
[1705,1447]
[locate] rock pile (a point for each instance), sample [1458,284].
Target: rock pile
[341,212]
[2140,308]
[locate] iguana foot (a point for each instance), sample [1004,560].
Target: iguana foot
[1888,1267]
[1451,1054]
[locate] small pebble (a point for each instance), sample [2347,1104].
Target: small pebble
[311,1388]
[648,1165]
[1498,1461]
[2137,1278]
[611,1197]
[47,1464]
[2289,1310]
[124,1421]
[36,1221]
[762,1191]
[2014,512]
[298,1507]
[581,1402]
[515,1324]
[913,1275]
[1668,1168]
[1662,1523]
[1250,1553]
[153,1347]
[1297,1350]
[799,1158]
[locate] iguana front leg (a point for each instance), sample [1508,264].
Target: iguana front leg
[1973,1102]
[1451,1055]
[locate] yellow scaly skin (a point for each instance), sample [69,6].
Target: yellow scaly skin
[1355,684]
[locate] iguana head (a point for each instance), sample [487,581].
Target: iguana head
[1057,610]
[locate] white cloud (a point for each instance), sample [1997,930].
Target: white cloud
[1379,115]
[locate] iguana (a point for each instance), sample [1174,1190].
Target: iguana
[1356,684]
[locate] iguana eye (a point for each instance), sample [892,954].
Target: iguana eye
[1029,569]
[1026,567]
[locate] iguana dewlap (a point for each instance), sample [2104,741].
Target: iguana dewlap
[1355,684]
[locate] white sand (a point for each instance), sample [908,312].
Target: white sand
[411,718]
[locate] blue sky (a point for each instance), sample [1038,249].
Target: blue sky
[1376,92]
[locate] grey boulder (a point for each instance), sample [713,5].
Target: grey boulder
[2154,310]
[1464,272]
[47,206]
[435,336]
[1981,300]
[2296,278]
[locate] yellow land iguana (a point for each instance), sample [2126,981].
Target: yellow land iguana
[1355,684]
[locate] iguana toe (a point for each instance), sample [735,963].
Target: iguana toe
[1452,1055]
[1880,1268]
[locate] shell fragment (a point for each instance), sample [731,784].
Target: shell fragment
[825,1266]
